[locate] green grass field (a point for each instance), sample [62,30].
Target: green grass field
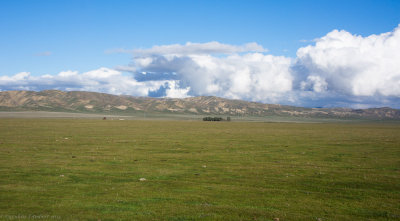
[87,169]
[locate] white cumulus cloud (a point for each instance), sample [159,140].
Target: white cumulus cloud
[101,80]
[338,69]
[352,64]
[174,91]
[251,76]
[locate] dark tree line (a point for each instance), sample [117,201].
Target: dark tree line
[216,119]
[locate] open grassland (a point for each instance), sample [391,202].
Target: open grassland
[86,169]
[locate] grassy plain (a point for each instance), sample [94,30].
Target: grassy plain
[88,169]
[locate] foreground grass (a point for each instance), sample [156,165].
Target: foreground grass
[90,170]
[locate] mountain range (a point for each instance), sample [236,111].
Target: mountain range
[92,102]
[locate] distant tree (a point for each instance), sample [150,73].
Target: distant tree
[228,119]
[218,119]
[212,119]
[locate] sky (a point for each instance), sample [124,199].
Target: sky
[312,53]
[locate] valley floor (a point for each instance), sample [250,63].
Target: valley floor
[94,169]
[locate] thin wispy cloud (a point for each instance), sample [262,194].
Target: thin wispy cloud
[189,48]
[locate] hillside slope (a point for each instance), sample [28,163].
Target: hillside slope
[91,102]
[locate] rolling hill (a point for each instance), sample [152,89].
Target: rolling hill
[92,102]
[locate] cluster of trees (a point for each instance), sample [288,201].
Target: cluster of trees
[216,119]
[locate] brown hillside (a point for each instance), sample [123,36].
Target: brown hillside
[79,101]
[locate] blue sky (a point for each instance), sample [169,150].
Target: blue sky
[46,38]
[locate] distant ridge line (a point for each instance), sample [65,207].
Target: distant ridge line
[94,102]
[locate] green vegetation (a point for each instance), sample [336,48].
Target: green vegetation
[86,169]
